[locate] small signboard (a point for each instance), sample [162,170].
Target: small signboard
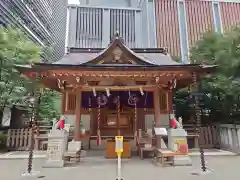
[160,131]
[180,145]
[118,144]
[53,151]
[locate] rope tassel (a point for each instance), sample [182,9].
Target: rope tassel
[118,112]
[135,119]
[98,123]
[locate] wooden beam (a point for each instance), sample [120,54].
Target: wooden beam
[157,112]
[117,88]
[115,73]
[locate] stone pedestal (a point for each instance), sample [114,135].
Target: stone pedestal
[177,142]
[57,145]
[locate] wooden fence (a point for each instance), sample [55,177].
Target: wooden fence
[208,137]
[19,139]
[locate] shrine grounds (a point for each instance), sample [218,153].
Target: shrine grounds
[98,168]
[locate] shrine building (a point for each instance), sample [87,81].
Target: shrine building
[116,90]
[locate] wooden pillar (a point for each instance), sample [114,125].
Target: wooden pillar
[157,107]
[78,116]
[157,114]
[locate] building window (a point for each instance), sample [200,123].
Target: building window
[123,21]
[217,17]
[115,3]
[183,32]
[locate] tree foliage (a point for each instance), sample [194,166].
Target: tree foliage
[221,100]
[16,48]
[49,104]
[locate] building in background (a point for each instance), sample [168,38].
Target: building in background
[43,21]
[174,24]
[180,23]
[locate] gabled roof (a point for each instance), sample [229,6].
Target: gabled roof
[85,56]
[148,56]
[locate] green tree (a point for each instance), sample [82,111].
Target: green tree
[16,48]
[222,88]
[49,104]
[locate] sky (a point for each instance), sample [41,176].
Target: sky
[73,2]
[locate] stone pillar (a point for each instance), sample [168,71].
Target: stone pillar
[157,113]
[78,115]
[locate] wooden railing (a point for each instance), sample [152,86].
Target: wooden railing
[19,139]
[208,135]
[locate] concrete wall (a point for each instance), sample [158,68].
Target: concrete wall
[229,137]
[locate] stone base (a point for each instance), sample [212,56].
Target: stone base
[182,160]
[30,176]
[54,164]
[202,173]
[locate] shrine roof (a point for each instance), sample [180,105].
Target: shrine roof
[117,51]
[117,56]
[84,56]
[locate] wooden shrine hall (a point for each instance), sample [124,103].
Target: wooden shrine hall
[116,90]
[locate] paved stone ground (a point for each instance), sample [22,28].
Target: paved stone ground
[96,168]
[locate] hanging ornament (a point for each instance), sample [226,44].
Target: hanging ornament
[94,92]
[141,90]
[98,121]
[118,111]
[135,119]
[102,100]
[89,103]
[135,112]
[116,100]
[131,99]
[172,84]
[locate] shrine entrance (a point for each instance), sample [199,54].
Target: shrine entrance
[117,112]
[111,91]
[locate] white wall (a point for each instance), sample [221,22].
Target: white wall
[85,118]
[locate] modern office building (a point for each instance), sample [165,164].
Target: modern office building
[174,24]
[43,21]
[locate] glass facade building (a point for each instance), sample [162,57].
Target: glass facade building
[43,21]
